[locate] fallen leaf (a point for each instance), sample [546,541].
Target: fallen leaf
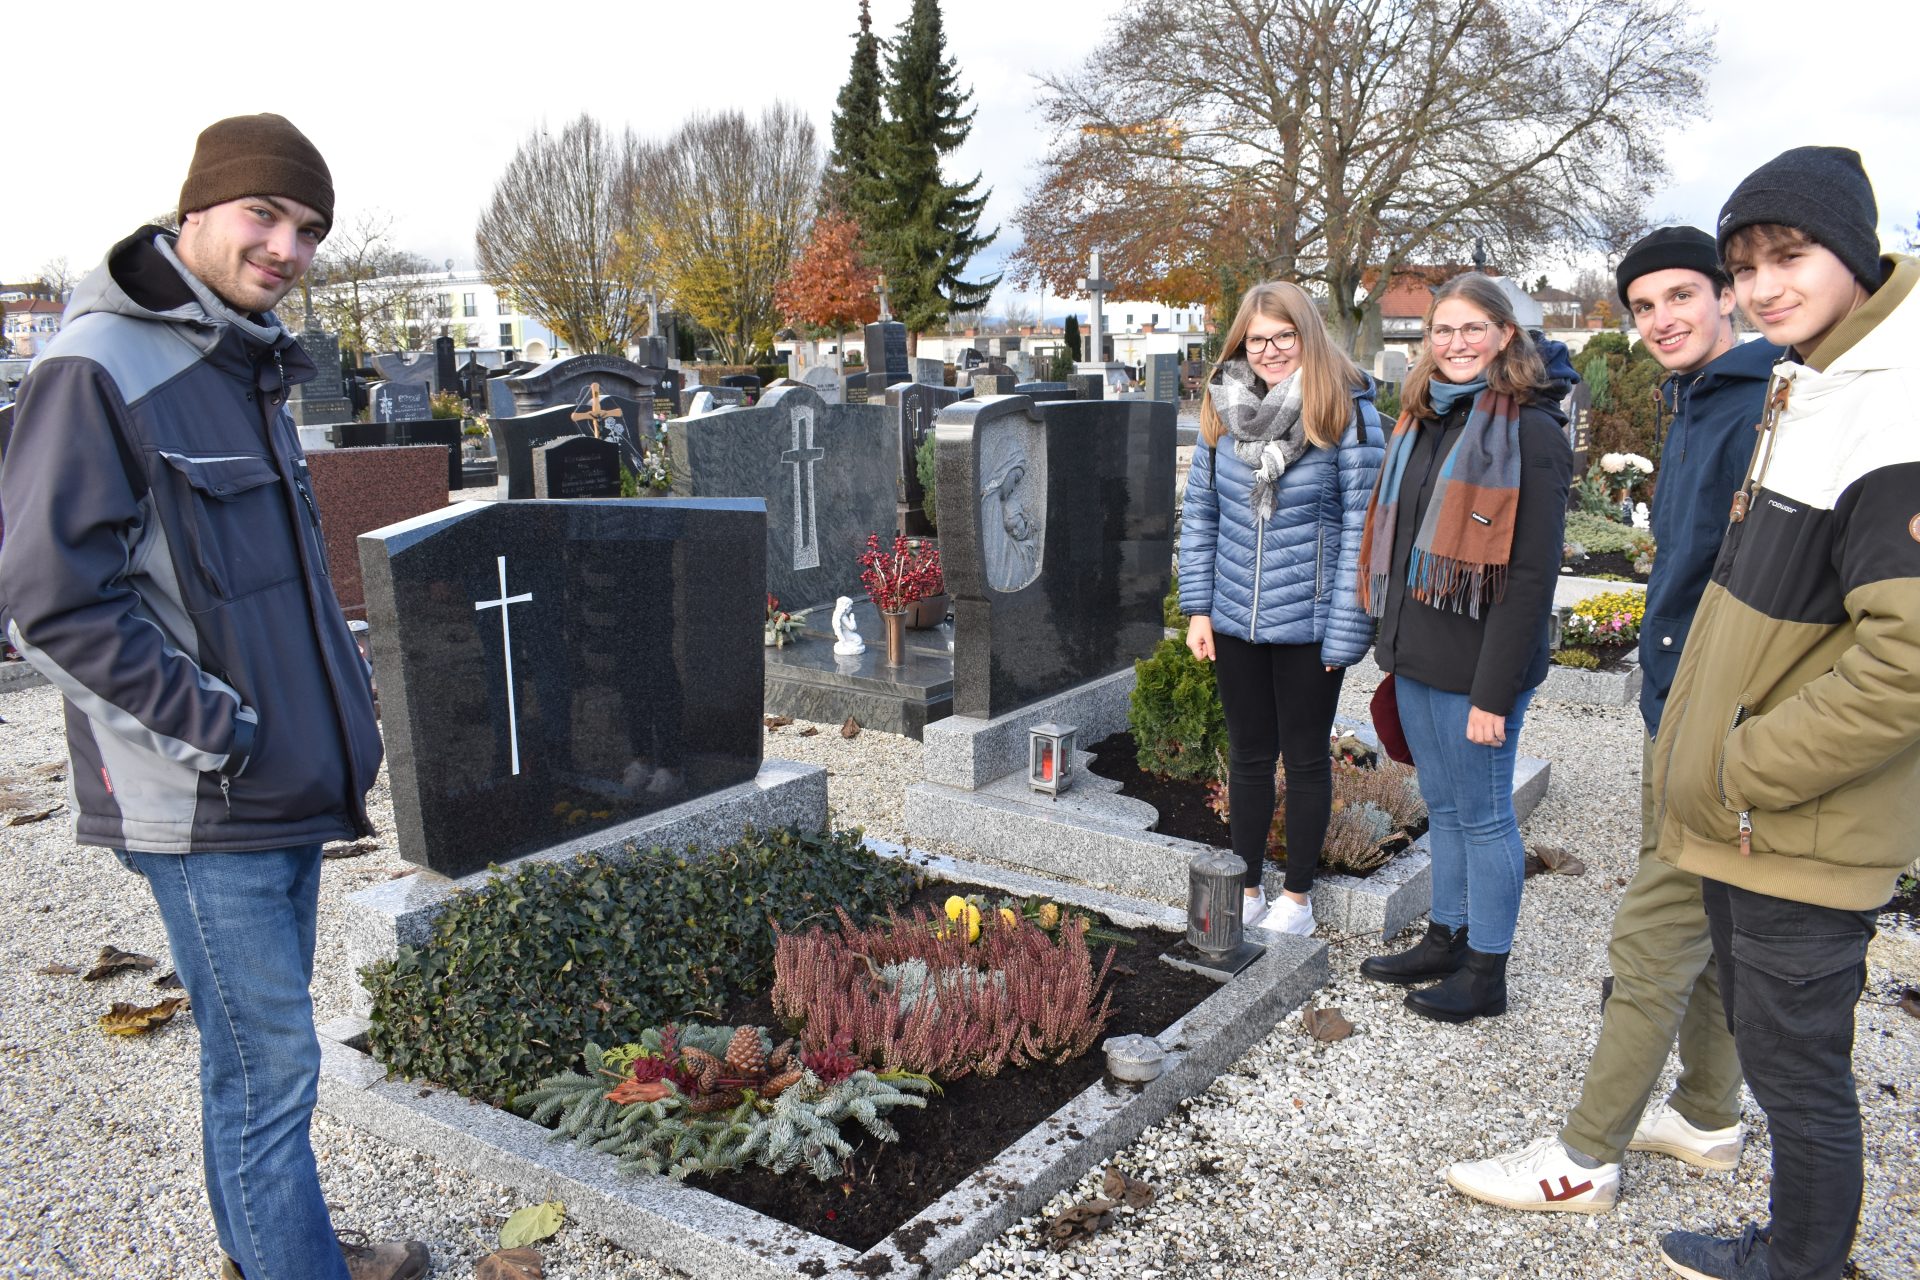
[1131,1192]
[809,731]
[510,1264]
[52,771]
[169,981]
[58,970]
[1082,1219]
[112,960]
[36,815]
[535,1222]
[354,850]
[1326,1025]
[1910,1001]
[1543,858]
[402,873]
[776,722]
[126,1019]
[851,729]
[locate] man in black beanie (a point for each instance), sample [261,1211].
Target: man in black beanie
[164,569]
[1788,768]
[1666,984]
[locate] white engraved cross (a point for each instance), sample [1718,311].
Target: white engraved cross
[506,647]
[806,533]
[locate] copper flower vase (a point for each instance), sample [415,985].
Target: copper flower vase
[896,637]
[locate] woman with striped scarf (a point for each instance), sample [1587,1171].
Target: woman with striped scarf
[1458,562]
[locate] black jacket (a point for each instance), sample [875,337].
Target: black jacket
[1494,657]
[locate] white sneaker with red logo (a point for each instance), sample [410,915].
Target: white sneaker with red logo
[1538,1177]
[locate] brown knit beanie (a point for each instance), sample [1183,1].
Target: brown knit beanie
[261,155]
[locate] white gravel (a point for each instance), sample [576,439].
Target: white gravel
[1306,1160]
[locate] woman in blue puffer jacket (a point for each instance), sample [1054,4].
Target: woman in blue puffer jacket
[1269,552]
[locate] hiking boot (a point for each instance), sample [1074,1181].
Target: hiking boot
[1542,1176]
[1665,1130]
[384,1260]
[1701,1257]
[1478,989]
[1440,953]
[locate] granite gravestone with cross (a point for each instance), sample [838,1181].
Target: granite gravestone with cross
[577,467]
[404,366]
[551,669]
[827,473]
[1056,538]
[886,356]
[915,406]
[565,380]
[515,439]
[1163,377]
[323,398]
[401,401]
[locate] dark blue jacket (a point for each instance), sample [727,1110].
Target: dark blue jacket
[1291,579]
[1702,462]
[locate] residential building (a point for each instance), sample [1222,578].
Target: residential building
[30,324]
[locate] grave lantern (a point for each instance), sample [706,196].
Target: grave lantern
[1216,881]
[1050,757]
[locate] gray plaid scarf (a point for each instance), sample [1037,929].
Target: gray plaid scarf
[1265,425]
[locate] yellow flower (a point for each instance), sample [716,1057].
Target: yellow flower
[1008,918]
[1049,915]
[956,907]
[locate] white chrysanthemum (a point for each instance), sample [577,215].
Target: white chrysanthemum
[1613,463]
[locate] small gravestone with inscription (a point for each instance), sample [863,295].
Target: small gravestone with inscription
[1163,377]
[994,384]
[578,467]
[886,354]
[401,401]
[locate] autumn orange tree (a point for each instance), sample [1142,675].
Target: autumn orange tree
[832,288]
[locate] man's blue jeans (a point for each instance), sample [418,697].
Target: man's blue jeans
[1478,860]
[241,930]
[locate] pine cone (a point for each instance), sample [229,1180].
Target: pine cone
[781,1058]
[745,1057]
[706,1068]
[781,1083]
[725,1100]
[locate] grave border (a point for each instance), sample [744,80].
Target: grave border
[696,1231]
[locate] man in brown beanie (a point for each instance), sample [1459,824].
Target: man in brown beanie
[164,569]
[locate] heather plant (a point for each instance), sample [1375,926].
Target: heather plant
[1015,994]
[1375,800]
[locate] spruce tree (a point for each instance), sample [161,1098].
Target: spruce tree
[856,119]
[924,228]
[1071,335]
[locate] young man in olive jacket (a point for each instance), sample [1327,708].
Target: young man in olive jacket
[164,569]
[1787,769]
[1665,982]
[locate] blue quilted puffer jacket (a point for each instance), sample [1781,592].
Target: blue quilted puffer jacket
[1290,579]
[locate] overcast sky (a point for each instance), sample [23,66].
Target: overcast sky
[418,108]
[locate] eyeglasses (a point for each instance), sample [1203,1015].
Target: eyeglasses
[1474,332]
[1285,340]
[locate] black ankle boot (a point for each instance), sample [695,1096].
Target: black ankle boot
[1438,954]
[1478,990]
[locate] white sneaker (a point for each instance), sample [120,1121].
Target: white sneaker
[1288,916]
[1665,1130]
[1538,1177]
[1253,910]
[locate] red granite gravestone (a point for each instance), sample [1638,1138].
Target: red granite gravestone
[362,489]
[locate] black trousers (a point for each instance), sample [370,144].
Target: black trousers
[1790,975]
[1279,700]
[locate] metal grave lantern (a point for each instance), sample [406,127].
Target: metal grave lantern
[1216,887]
[1050,757]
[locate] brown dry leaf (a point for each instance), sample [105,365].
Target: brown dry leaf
[35,815]
[1910,1001]
[1326,1025]
[354,850]
[126,1019]
[169,981]
[112,960]
[402,873]
[809,731]
[1560,862]
[511,1264]
[851,729]
[776,722]
[1083,1219]
[58,970]
[52,771]
[1131,1192]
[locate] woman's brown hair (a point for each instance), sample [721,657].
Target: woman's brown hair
[1517,371]
[1328,375]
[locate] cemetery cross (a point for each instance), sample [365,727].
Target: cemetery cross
[806,535]
[506,647]
[593,414]
[1096,288]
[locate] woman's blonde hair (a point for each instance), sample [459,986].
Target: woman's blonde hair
[1327,374]
[1517,371]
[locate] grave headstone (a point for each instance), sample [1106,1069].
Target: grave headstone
[577,467]
[747,382]
[1390,366]
[1163,377]
[548,670]
[716,398]
[669,391]
[886,356]
[1042,392]
[1057,544]
[826,383]
[445,376]
[360,489]
[915,406]
[401,401]
[930,373]
[1022,364]
[565,381]
[444,432]
[827,472]
[515,439]
[1087,386]
[323,398]
[994,384]
[403,366]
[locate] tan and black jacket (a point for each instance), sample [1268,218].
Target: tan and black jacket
[1788,761]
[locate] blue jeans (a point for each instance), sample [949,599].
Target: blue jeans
[1478,860]
[241,930]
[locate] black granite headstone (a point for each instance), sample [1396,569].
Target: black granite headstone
[669,389]
[548,670]
[886,356]
[515,439]
[994,384]
[720,396]
[1057,545]
[1088,386]
[827,472]
[581,467]
[565,380]
[321,399]
[916,405]
[1042,392]
[440,431]
[445,376]
[403,366]
[748,382]
[401,401]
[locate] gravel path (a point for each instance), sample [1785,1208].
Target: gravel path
[1306,1160]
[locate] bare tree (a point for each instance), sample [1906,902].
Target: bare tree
[1333,141]
[370,294]
[59,278]
[555,234]
[721,211]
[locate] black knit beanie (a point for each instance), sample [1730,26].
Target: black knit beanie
[261,155]
[1669,247]
[1821,190]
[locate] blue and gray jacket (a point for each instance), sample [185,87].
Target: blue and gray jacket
[163,567]
[1703,460]
[1290,579]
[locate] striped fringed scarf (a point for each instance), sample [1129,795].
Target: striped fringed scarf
[1460,554]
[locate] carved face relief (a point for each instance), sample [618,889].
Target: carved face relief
[1012,507]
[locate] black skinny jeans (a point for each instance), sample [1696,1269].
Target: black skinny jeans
[1790,975]
[1279,700]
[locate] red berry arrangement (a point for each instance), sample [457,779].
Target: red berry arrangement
[895,578]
